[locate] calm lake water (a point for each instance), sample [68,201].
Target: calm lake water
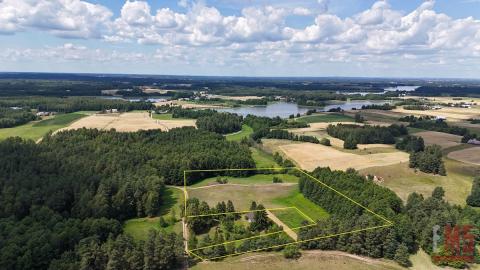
[284,109]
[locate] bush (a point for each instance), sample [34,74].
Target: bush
[325,142]
[292,252]
[350,143]
[277,180]
[474,198]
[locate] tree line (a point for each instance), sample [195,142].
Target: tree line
[413,222]
[14,117]
[73,104]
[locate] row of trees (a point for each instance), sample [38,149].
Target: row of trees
[383,107]
[74,104]
[14,117]
[440,126]
[282,134]
[413,222]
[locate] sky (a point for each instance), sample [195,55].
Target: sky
[319,38]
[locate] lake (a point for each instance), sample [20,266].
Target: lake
[285,109]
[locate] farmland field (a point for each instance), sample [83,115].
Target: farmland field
[321,260]
[36,130]
[445,140]
[325,118]
[309,156]
[404,180]
[469,155]
[128,122]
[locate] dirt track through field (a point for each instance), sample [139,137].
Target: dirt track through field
[286,229]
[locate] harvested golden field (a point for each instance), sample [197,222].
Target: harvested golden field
[470,155]
[448,99]
[310,156]
[451,113]
[445,140]
[318,130]
[127,122]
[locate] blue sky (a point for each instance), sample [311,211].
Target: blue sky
[394,38]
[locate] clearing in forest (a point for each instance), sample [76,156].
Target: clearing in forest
[290,219]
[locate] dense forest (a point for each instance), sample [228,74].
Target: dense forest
[14,117]
[76,187]
[73,104]
[355,134]
[413,222]
[222,123]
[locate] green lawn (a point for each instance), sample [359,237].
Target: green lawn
[307,207]
[254,179]
[238,136]
[172,199]
[262,159]
[325,118]
[291,217]
[163,116]
[36,130]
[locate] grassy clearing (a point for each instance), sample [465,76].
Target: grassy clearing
[403,180]
[325,118]
[163,116]
[291,217]
[295,198]
[250,180]
[36,130]
[262,159]
[238,136]
[242,196]
[138,228]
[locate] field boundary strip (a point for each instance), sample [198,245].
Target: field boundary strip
[387,223]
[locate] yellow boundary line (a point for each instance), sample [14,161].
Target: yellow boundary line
[388,222]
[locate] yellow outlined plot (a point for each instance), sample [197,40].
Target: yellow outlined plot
[194,252]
